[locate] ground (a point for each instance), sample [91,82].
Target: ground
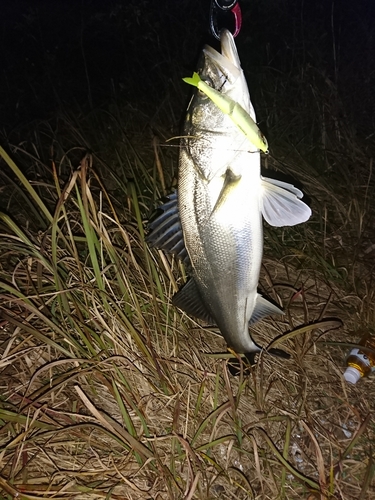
[108,391]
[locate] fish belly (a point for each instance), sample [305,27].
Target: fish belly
[225,242]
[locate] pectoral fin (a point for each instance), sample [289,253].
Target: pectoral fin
[281,203]
[230,182]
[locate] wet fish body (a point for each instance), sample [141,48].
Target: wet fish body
[214,223]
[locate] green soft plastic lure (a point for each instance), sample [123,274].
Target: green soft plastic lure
[235,111]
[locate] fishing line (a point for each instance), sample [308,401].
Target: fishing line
[164,145]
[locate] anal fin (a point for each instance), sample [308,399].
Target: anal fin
[263,308]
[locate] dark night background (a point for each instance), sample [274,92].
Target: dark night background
[81,54]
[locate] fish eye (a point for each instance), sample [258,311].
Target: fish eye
[209,82]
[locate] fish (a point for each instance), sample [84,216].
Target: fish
[235,111]
[213,222]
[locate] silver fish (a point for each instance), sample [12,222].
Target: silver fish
[217,228]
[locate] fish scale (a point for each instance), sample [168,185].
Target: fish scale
[224,250]
[221,197]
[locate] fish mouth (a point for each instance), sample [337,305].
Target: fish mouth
[229,49]
[228,62]
[223,71]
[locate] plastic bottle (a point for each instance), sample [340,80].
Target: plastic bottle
[361,363]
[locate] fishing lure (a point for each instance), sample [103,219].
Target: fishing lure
[235,111]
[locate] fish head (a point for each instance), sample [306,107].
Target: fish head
[224,73]
[212,140]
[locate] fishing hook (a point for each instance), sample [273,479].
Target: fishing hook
[224,13]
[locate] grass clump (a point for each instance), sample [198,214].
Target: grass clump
[107,391]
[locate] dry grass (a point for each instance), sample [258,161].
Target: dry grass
[107,391]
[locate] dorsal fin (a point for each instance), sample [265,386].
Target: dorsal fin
[166,230]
